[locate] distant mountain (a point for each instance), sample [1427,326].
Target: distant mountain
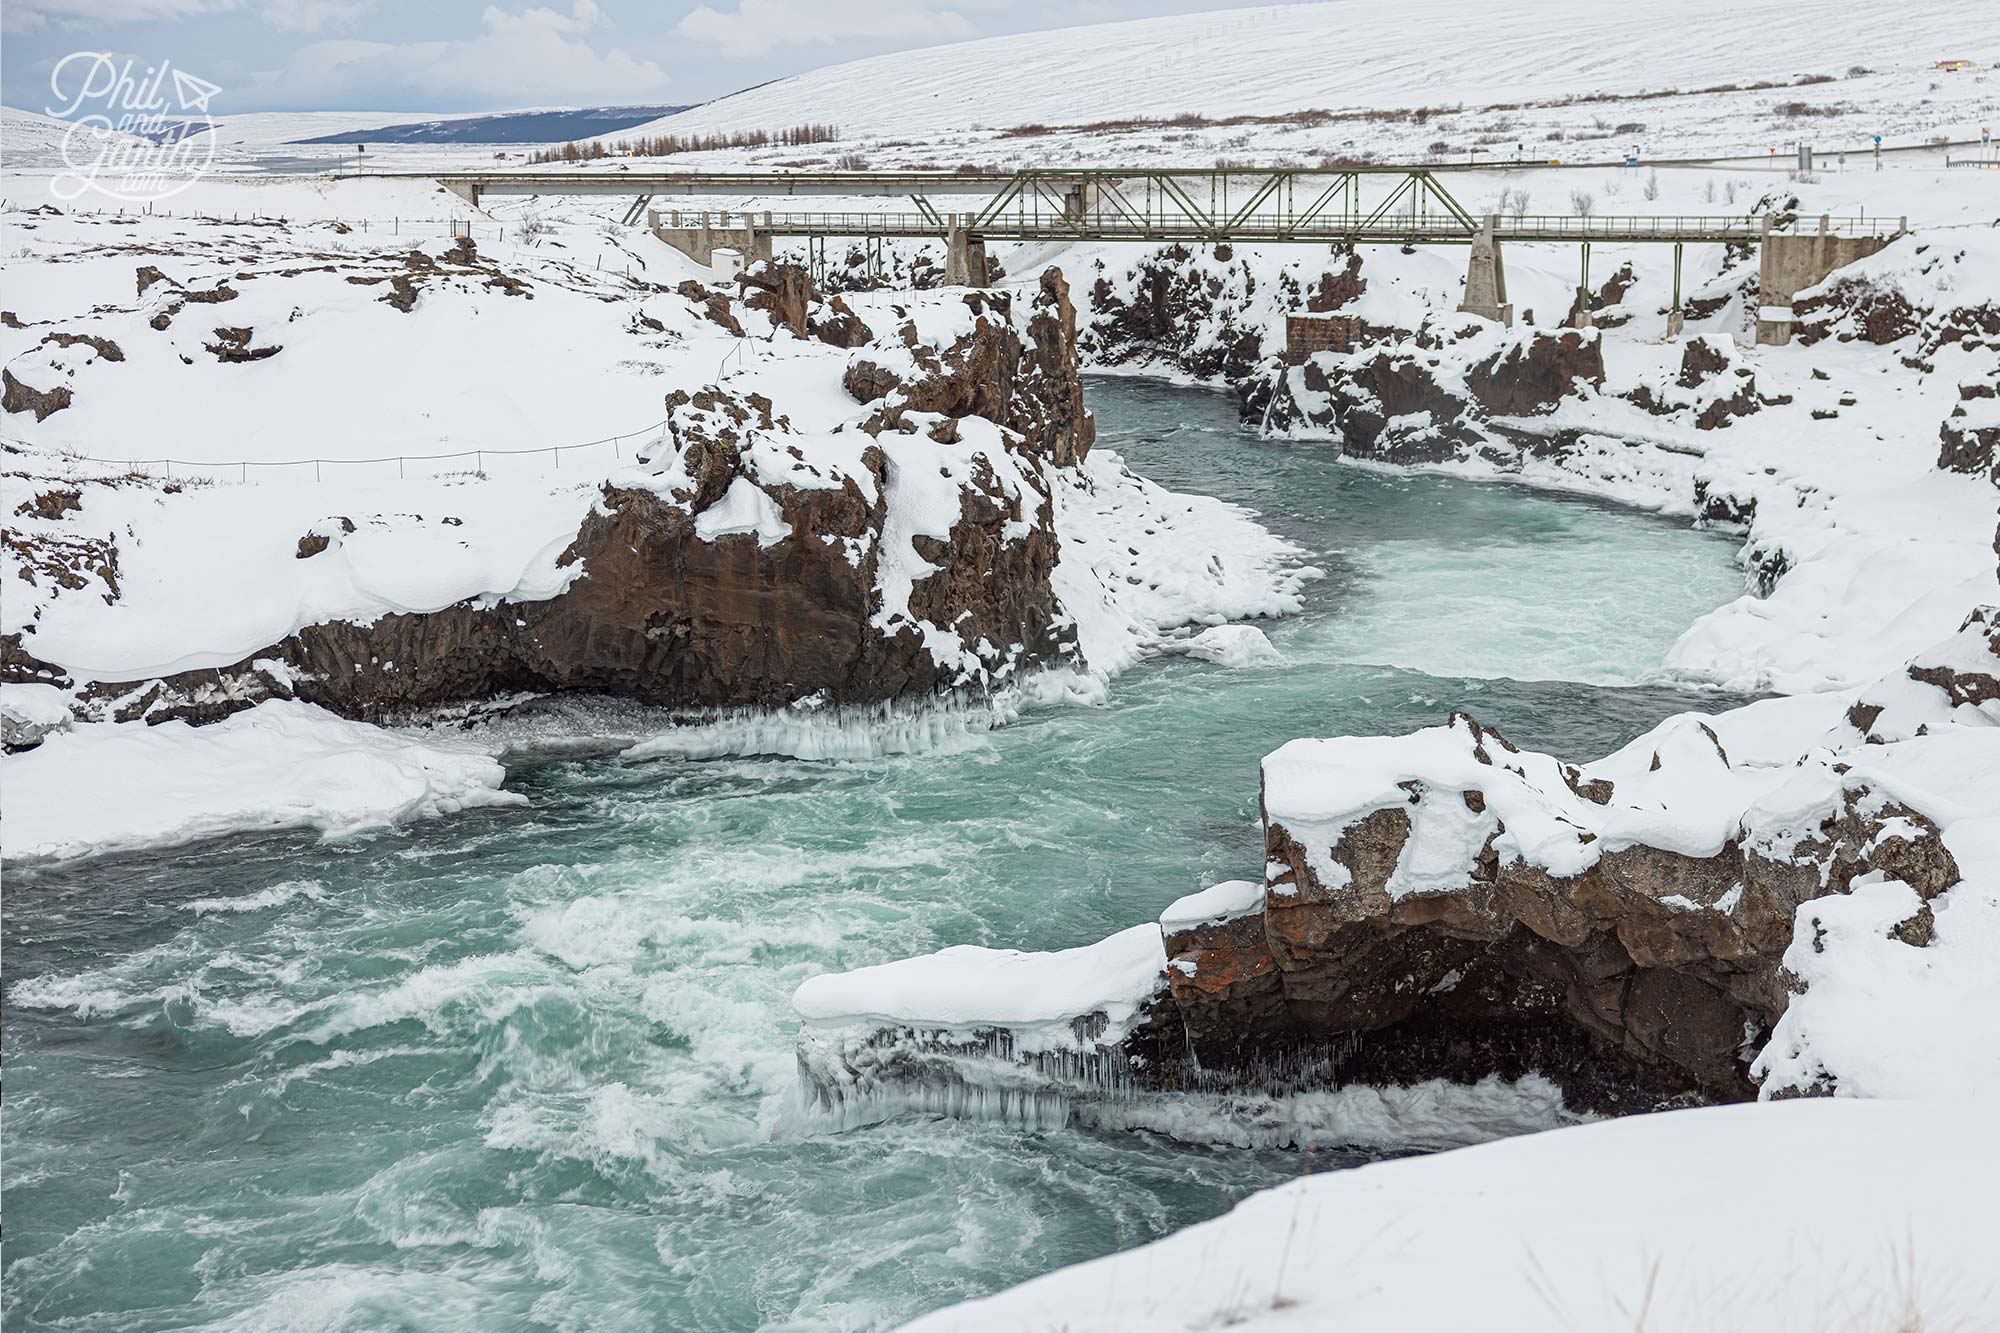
[508,127]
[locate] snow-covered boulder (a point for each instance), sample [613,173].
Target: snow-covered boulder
[29,713]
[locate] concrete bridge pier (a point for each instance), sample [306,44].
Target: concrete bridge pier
[1790,262]
[964,257]
[696,236]
[1486,277]
[466,190]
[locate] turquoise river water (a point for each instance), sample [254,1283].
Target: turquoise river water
[524,1068]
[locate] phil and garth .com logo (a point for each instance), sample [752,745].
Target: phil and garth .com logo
[135,135]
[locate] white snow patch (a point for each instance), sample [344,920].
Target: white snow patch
[107,787]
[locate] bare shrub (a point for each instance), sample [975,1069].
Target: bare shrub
[1581,202]
[1652,188]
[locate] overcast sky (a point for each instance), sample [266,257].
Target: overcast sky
[478,55]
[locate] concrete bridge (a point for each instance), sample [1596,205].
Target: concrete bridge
[1339,206]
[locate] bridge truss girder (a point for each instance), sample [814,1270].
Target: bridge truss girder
[1227,203]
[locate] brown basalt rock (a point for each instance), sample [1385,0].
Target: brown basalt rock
[18,397]
[18,666]
[51,504]
[714,305]
[1713,387]
[783,291]
[1534,374]
[232,347]
[1180,312]
[1701,360]
[1662,966]
[1964,684]
[1963,447]
[1334,290]
[104,347]
[1032,386]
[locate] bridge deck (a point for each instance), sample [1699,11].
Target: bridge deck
[1305,205]
[1264,228]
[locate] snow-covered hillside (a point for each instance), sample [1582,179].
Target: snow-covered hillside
[1353,55]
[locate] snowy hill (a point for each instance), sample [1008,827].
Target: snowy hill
[1341,55]
[30,140]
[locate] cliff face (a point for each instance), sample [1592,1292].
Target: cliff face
[742,562]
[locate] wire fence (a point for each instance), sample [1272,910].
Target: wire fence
[611,449]
[393,226]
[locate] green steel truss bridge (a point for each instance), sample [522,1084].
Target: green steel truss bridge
[1337,206]
[1302,205]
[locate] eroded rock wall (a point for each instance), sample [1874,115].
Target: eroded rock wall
[1446,905]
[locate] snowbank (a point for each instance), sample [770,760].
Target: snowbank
[1800,1214]
[109,787]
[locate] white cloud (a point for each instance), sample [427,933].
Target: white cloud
[759,27]
[24,16]
[314,15]
[19,16]
[533,55]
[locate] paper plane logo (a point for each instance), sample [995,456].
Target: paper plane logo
[136,133]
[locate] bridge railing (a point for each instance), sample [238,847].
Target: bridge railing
[1670,225]
[1278,226]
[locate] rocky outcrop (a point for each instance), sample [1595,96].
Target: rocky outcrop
[1911,289]
[1969,439]
[1424,400]
[785,292]
[16,396]
[1030,384]
[1204,313]
[1966,668]
[742,564]
[1714,386]
[1446,905]
[1532,375]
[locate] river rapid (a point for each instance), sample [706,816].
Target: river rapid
[528,1068]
